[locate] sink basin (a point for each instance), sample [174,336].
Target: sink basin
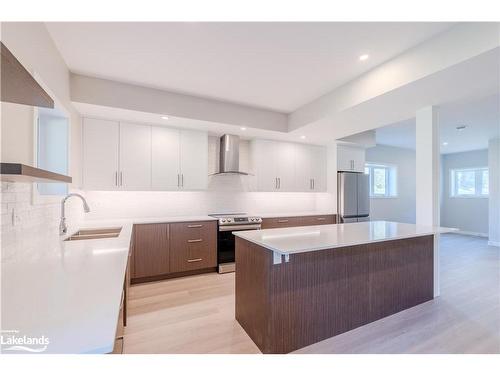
[94,233]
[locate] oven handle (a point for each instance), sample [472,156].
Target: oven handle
[235,228]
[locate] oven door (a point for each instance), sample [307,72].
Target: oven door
[226,240]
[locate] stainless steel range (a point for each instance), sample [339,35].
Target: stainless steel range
[227,224]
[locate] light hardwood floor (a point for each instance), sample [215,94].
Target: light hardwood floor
[196,314]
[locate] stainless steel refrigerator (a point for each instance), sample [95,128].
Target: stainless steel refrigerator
[353,197]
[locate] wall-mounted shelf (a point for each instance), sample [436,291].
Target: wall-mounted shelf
[14,172]
[18,85]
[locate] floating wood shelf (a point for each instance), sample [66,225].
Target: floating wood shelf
[18,85]
[13,172]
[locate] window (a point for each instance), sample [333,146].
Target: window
[383,180]
[469,183]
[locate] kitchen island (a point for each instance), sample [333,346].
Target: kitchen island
[297,286]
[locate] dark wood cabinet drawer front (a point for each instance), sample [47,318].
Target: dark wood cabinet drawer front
[280,222]
[318,220]
[151,250]
[193,246]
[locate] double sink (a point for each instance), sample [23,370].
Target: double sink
[94,233]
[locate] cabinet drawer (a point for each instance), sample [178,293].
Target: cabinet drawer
[193,246]
[280,222]
[318,220]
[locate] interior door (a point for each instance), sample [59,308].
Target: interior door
[135,157]
[193,160]
[100,154]
[165,172]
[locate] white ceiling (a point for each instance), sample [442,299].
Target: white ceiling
[482,118]
[279,66]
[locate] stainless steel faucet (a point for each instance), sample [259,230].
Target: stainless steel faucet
[63,228]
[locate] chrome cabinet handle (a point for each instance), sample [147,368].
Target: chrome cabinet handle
[197,240]
[314,184]
[195,260]
[178,180]
[320,219]
[121,178]
[283,221]
[195,225]
[279,182]
[276,182]
[116,178]
[182,179]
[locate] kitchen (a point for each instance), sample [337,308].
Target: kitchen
[137,219]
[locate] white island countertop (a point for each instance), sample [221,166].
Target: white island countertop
[70,291]
[295,240]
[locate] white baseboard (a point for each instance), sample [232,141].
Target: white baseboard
[494,243]
[467,233]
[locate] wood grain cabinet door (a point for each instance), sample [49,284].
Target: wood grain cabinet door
[317,220]
[193,246]
[280,222]
[151,250]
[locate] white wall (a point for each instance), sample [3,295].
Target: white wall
[36,220]
[494,185]
[467,214]
[401,208]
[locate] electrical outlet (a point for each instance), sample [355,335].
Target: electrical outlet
[16,219]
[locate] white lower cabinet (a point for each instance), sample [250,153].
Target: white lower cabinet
[125,156]
[284,166]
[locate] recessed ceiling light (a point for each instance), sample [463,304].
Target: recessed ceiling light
[164,117]
[445,143]
[461,127]
[243,129]
[364,57]
[302,137]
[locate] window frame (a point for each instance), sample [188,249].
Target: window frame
[391,186]
[478,183]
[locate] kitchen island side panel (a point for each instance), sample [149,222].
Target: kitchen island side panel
[320,294]
[252,306]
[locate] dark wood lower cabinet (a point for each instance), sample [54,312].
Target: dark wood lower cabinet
[151,250]
[173,249]
[297,221]
[320,294]
[194,246]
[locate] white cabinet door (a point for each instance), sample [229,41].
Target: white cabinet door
[350,159]
[303,168]
[264,165]
[318,167]
[100,154]
[285,165]
[165,172]
[135,157]
[193,160]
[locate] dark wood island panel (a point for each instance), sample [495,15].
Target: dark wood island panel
[320,294]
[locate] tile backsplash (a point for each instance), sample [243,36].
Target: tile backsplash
[25,224]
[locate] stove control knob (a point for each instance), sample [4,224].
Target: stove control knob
[223,220]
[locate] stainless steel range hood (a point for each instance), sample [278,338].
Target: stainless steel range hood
[229,158]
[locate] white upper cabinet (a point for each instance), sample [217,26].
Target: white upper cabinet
[193,160]
[283,166]
[310,168]
[124,156]
[165,158]
[100,154]
[135,157]
[351,159]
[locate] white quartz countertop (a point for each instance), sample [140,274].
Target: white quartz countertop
[70,292]
[320,237]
